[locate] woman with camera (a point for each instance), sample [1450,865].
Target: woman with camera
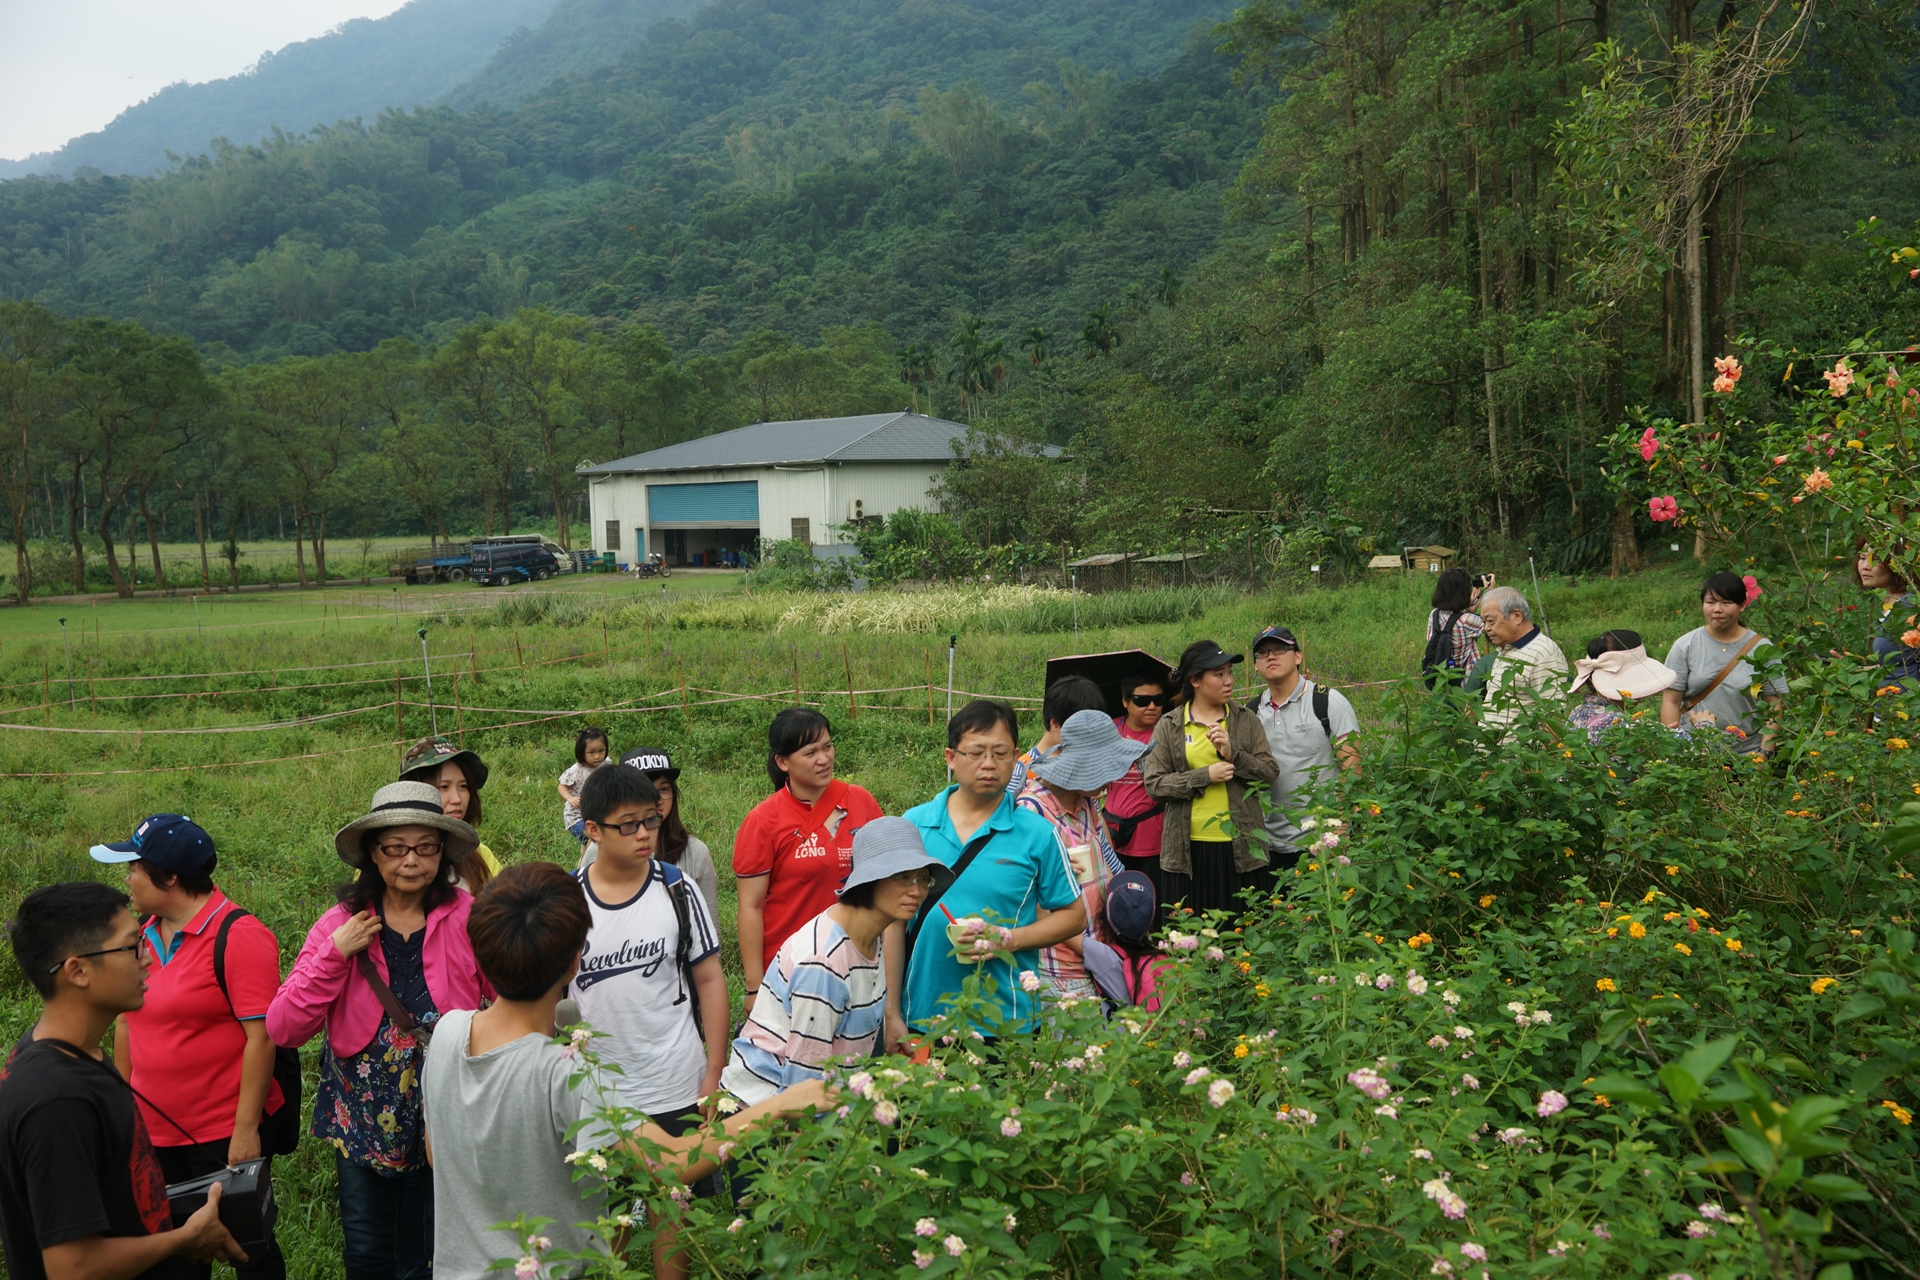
[375,973]
[1454,629]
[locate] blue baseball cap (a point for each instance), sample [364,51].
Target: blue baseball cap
[170,842]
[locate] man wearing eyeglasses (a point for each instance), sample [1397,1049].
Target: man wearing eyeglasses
[1307,726]
[81,1190]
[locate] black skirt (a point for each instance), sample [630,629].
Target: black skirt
[1213,884]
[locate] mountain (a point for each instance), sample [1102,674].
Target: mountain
[761,164]
[412,56]
[578,36]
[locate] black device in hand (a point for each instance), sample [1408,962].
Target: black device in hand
[247,1206]
[1481,581]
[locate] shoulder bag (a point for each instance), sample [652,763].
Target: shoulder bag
[1700,697]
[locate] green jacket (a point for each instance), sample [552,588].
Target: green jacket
[1168,779]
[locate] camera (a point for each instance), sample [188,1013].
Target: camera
[1481,581]
[247,1207]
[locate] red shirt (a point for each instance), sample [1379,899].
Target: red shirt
[185,1042]
[801,875]
[1129,796]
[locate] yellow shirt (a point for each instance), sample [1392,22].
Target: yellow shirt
[1210,812]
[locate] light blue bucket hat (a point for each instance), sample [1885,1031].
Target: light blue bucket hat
[890,847]
[1092,754]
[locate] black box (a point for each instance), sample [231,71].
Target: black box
[246,1202]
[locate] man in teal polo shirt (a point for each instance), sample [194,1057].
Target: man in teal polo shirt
[1013,876]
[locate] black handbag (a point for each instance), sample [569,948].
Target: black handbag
[247,1206]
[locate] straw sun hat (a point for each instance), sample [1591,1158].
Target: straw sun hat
[404,804]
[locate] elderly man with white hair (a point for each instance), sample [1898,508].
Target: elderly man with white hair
[1527,665]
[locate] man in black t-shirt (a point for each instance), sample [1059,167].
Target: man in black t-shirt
[81,1193]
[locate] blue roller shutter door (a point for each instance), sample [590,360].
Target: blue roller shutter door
[732,502]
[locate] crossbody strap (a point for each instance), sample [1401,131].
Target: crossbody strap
[928,907]
[1700,697]
[402,1020]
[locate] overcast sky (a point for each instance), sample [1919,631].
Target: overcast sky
[67,67]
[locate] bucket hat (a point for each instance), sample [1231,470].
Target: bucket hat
[170,842]
[653,762]
[430,753]
[1623,673]
[1091,754]
[404,804]
[888,847]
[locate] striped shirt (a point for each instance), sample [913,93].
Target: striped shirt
[1082,826]
[821,1002]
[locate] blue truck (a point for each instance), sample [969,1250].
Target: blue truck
[459,561]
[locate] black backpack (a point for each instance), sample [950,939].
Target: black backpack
[1438,663]
[1321,701]
[279,1130]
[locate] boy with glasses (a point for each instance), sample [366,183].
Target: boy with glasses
[1307,726]
[650,968]
[81,1191]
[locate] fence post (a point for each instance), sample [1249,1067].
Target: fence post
[606,652]
[459,722]
[399,725]
[794,649]
[686,711]
[93,703]
[929,658]
[46,688]
[853,703]
[521,657]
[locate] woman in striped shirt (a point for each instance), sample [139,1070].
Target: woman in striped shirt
[824,997]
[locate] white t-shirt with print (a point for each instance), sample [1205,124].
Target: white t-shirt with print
[628,986]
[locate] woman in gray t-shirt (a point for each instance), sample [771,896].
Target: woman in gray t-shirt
[1702,654]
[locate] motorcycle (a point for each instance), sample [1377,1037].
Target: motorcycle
[654,566]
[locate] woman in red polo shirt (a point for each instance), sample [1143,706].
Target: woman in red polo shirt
[795,848]
[197,1054]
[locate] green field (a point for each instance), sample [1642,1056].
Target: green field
[523,690]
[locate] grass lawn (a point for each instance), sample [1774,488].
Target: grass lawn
[624,661]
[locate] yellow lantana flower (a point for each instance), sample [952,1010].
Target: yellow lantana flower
[1636,931]
[1605,984]
[1683,948]
[1820,985]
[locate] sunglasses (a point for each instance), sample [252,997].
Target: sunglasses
[633,828]
[1148,699]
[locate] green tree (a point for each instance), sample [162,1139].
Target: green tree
[32,339]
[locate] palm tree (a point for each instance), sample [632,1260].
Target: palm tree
[1039,345]
[1169,291]
[1100,333]
[969,371]
[917,365]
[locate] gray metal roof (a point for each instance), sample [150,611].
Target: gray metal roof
[872,437]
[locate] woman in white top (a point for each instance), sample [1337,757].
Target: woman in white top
[672,843]
[1714,684]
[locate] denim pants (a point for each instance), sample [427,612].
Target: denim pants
[387,1219]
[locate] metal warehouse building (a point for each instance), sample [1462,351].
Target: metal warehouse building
[696,501]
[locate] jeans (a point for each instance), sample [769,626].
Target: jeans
[387,1219]
[180,1164]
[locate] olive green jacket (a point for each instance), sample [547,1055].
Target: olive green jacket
[1168,779]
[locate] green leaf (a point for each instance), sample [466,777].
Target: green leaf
[1860,1006]
[1810,1115]
[1707,1059]
[1834,1186]
[1837,1271]
[1681,1086]
[1755,1150]
[1627,1089]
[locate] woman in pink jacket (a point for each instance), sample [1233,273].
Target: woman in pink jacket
[376,972]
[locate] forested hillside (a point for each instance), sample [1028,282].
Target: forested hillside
[410,57]
[1324,271]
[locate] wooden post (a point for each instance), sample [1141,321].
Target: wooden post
[399,725]
[606,652]
[459,725]
[46,688]
[92,702]
[686,710]
[473,663]
[853,703]
[929,658]
[796,672]
[519,655]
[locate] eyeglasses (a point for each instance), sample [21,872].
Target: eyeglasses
[1261,655]
[999,755]
[910,880]
[396,851]
[1147,699]
[110,951]
[633,828]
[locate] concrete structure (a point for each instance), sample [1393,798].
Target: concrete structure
[722,494]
